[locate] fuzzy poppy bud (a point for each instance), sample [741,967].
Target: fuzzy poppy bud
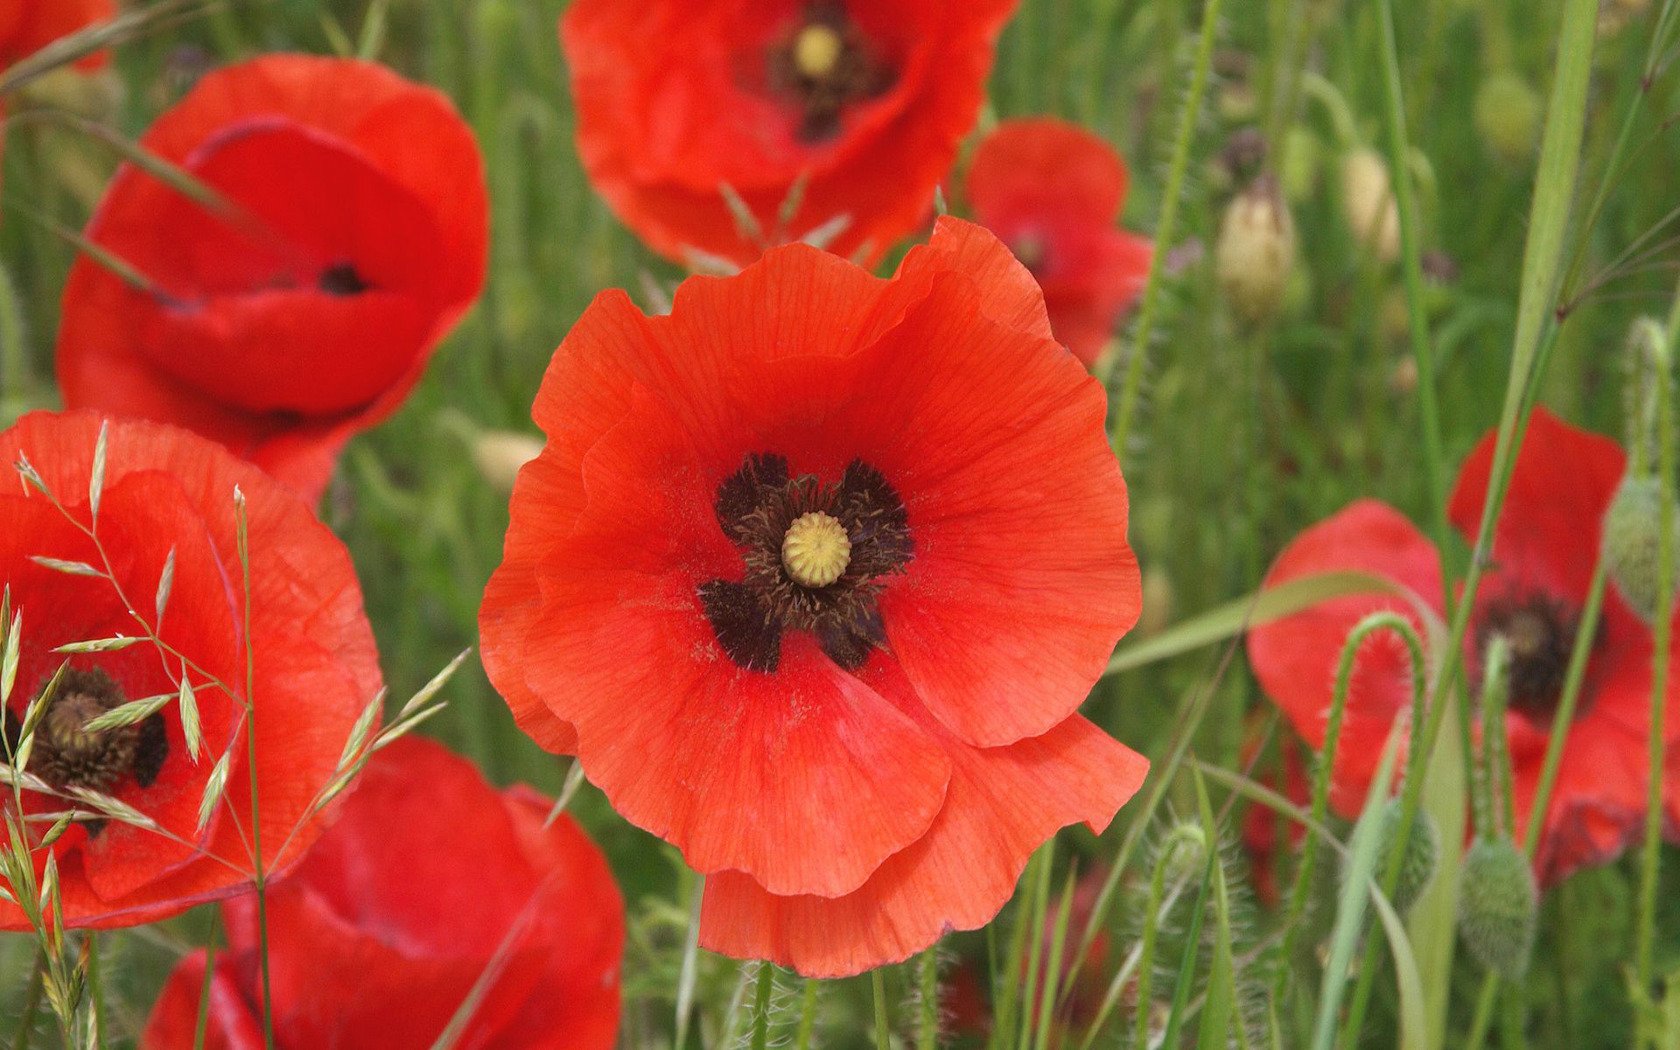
[1183,852]
[1632,530]
[1256,251]
[1497,906]
[1508,114]
[1423,851]
[498,455]
[1368,203]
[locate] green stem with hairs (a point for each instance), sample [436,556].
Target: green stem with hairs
[883,1027]
[927,1030]
[761,1006]
[1165,229]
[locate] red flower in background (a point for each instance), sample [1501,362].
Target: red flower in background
[1265,833]
[307,316]
[1052,192]
[812,575]
[26,26]
[855,107]
[1544,550]
[170,494]
[430,879]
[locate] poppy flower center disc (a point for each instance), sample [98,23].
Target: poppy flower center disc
[1540,631]
[823,66]
[814,556]
[67,754]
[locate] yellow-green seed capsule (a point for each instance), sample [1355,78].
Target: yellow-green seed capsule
[1368,204]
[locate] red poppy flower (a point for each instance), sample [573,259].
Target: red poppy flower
[812,575]
[26,26]
[848,110]
[169,494]
[430,879]
[307,317]
[1544,550]
[1052,192]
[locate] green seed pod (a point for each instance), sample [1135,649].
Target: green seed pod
[1508,115]
[1423,852]
[1632,528]
[1498,906]
[1183,852]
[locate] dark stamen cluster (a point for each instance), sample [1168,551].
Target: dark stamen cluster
[66,755]
[755,507]
[342,280]
[1540,631]
[822,93]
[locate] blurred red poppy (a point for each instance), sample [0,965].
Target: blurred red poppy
[429,881]
[308,315]
[1544,550]
[26,26]
[168,499]
[1052,192]
[813,574]
[840,111]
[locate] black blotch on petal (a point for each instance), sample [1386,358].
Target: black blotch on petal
[10,732]
[747,632]
[94,827]
[741,492]
[342,279]
[150,749]
[849,644]
[875,519]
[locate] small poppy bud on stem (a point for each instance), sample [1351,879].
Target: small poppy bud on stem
[498,455]
[1368,204]
[1508,115]
[1422,853]
[1256,251]
[1498,906]
[1183,852]
[1632,531]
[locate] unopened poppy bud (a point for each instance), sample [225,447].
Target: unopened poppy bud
[1632,531]
[498,455]
[1508,114]
[1423,852]
[1157,603]
[1183,852]
[1497,906]
[1614,15]
[1368,203]
[1256,251]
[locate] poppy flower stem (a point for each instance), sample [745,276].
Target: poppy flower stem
[807,1015]
[761,1006]
[927,1030]
[1187,124]
[883,1027]
[1650,867]
[260,878]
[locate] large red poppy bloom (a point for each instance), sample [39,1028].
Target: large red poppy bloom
[282,330]
[430,879]
[849,108]
[1544,550]
[812,576]
[26,26]
[169,493]
[1052,192]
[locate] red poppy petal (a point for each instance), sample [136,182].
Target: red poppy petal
[1009,294]
[1295,658]
[1002,805]
[1042,166]
[1033,573]
[26,26]
[1548,531]
[234,1023]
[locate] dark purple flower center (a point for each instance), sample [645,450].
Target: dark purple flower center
[66,754]
[823,66]
[814,558]
[1540,631]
